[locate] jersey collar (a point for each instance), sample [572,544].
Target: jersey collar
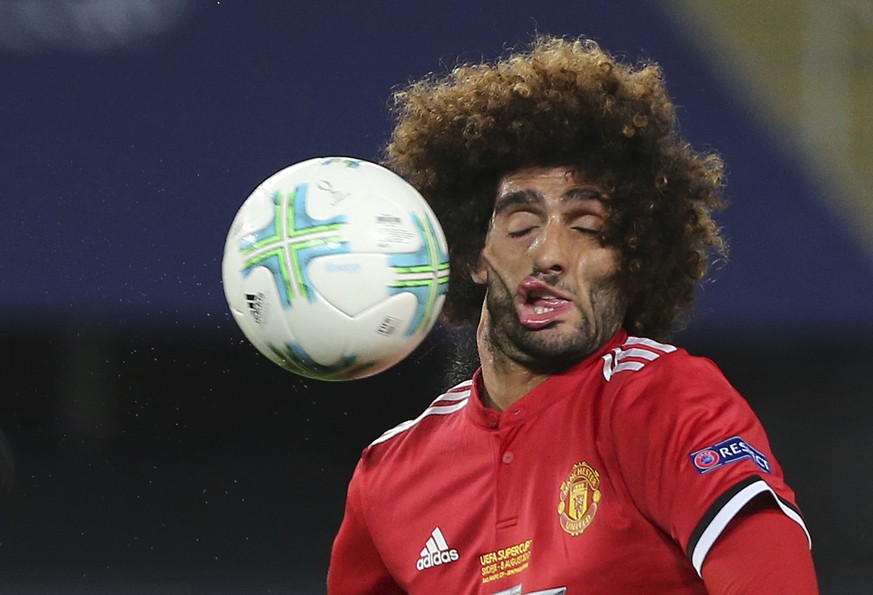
[551,390]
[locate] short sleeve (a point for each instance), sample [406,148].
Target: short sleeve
[691,451]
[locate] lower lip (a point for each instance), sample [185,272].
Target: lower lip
[529,318]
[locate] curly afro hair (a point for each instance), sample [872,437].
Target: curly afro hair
[565,102]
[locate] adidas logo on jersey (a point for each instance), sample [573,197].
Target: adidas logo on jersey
[436,551]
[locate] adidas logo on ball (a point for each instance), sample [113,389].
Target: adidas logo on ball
[256,306]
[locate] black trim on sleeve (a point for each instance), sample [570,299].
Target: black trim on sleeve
[715,508]
[791,506]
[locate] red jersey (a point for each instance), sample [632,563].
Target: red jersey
[614,476]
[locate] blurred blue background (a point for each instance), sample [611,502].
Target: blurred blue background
[155,451]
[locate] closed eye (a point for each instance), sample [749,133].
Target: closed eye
[588,223]
[518,233]
[522,222]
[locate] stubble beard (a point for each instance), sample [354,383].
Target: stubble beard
[548,350]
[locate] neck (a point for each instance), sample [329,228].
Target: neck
[504,380]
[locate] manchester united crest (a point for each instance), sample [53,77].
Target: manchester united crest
[579,498]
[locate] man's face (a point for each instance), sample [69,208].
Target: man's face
[552,296]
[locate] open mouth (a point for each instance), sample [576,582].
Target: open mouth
[540,305]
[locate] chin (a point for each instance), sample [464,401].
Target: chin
[552,347]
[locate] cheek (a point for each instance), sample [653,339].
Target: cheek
[486,262]
[501,257]
[600,265]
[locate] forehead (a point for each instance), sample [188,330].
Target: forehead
[537,184]
[546,178]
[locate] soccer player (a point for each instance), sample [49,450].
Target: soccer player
[586,454]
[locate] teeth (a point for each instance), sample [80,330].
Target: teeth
[542,309]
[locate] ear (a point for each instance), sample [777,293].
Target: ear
[479,272]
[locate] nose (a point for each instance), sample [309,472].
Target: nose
[549,249]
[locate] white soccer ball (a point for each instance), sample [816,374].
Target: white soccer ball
[335,268]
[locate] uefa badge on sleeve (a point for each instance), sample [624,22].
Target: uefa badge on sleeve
[728,451]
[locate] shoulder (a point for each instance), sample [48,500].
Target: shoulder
[639,361]
[440,410]
[634,354]
[391,466]
[653,383]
